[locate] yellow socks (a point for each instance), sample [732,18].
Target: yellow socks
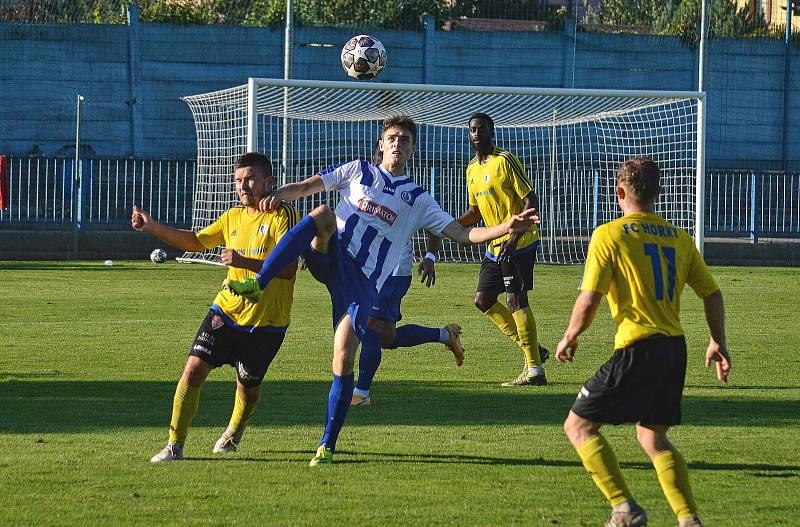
[673,475]
[600,461]
[242,411]
[502,318]
[527,338]
[184,407]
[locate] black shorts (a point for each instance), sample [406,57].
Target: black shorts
[641,384]
[514,276]
[217,343]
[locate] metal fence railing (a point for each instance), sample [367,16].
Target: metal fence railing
[753,203]
[44,190]
[40,190]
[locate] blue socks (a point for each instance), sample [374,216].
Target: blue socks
[369,359]
[414,335]
[290,246]
[338,404]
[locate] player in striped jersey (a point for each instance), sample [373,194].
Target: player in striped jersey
[387,309]
[498,188]
[641,262]
[356,248]
[243,334]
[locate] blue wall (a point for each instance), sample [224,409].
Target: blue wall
[132,78]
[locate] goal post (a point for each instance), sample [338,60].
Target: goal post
[570,141]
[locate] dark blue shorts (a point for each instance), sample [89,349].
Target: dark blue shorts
[351,292]
[390,297]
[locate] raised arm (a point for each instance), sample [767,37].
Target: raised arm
[182,239]
[470,236]
[717,351]
[291,192]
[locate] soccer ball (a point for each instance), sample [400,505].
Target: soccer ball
[158,256]
[363,57]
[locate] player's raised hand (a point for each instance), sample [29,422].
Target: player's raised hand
[427,271]
[140,220]
[565,352]
[269,203]
[520,223]
[531,215]
[718,354]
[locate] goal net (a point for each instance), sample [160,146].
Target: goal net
[571,143]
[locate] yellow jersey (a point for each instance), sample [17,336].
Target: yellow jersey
[497,187]
[642,262]
[253,235]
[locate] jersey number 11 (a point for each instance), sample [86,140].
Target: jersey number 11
[652,250]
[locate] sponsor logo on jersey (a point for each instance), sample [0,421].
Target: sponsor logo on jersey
[262,230]
[217,322]
[234,232]
[486,178]
[244,375]
[379,211]
[201,349]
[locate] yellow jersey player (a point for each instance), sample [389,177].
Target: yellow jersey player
[498,189]
[641,262]
[243,334]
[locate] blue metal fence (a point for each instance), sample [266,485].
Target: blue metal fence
[755,204]
[739,203]
[42,190]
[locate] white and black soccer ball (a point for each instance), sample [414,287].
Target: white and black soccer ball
[158,256]
[363,57]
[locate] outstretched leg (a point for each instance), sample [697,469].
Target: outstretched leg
[320,224]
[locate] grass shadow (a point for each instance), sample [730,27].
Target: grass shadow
[357,457]
[33,403]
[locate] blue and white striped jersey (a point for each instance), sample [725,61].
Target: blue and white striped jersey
[378,214]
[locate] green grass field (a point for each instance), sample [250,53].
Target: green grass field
[90,356]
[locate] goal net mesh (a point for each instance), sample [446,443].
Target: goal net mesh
[571,146]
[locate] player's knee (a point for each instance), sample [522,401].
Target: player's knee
[325,219]
[653,441]
[569,428]
[388,338]
[195,372]
[482,304]
[578,429]
[515,303]
[343,361]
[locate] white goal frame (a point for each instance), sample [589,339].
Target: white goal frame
[289,112]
